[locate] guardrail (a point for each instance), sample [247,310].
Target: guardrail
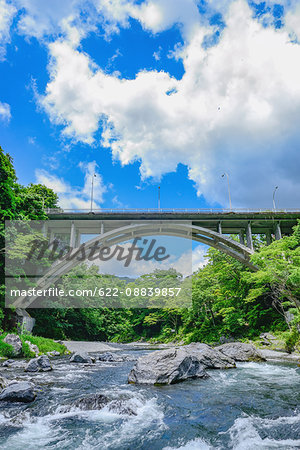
[169,210]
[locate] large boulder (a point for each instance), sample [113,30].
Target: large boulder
[40,364]
[166,367]
[210,357]
[118,407]
[99,401]
[81,358]
[33,348]
[14,364]
[15,342]
[91,402]
[110,357]
[8,363]
[18,392]
[240,351]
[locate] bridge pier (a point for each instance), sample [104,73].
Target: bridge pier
[242,237]
[220,227]
[45,229]
[52,236]
[278,234]
[249,236]
[73,235]
[269,237]
[78,237]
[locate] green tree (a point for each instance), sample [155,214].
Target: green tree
[18,202]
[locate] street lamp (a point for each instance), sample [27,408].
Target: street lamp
[226,174]
[92,192]
[274,206]
[159,197]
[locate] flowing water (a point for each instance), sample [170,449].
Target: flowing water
[256,406]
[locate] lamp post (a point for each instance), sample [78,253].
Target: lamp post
[226,174]
[274,205]
[92,192]
[158,197]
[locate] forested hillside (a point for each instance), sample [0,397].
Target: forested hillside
[228,300]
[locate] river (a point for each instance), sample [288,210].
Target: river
[256,406]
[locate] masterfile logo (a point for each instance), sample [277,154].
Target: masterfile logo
[115,264]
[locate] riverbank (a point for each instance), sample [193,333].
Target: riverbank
[88,347]
[94,347]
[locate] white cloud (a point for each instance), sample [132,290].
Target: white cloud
[292,21]
[236,109]
[52,181]
[135,268]
[7,13]
[92,176]
[71,197]
[198,257]
[159,15]
[5,113]
[72,19]
[118,203]
[185,263]
[48,18]
[157,54]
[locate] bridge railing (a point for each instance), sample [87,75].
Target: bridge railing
[167,210]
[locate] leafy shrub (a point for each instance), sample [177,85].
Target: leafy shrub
[44,344]
[27,353]
[291,338]
[6,350]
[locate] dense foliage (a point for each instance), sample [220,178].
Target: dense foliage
[228,301]
[17,202]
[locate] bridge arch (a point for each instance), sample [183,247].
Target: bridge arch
[120,235]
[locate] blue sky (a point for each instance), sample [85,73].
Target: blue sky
[153,93]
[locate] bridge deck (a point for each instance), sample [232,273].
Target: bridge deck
[231,221]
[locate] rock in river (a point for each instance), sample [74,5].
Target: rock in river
[81,358]
[99,401]
[166,367]
[241,352]
[110,357]
[15,342]
[91,402]
[40,364]
[14,364]
[18,392]
[210,357]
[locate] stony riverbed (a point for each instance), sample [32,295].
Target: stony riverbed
[253,406]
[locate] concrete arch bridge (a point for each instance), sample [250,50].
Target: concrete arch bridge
[211,227]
